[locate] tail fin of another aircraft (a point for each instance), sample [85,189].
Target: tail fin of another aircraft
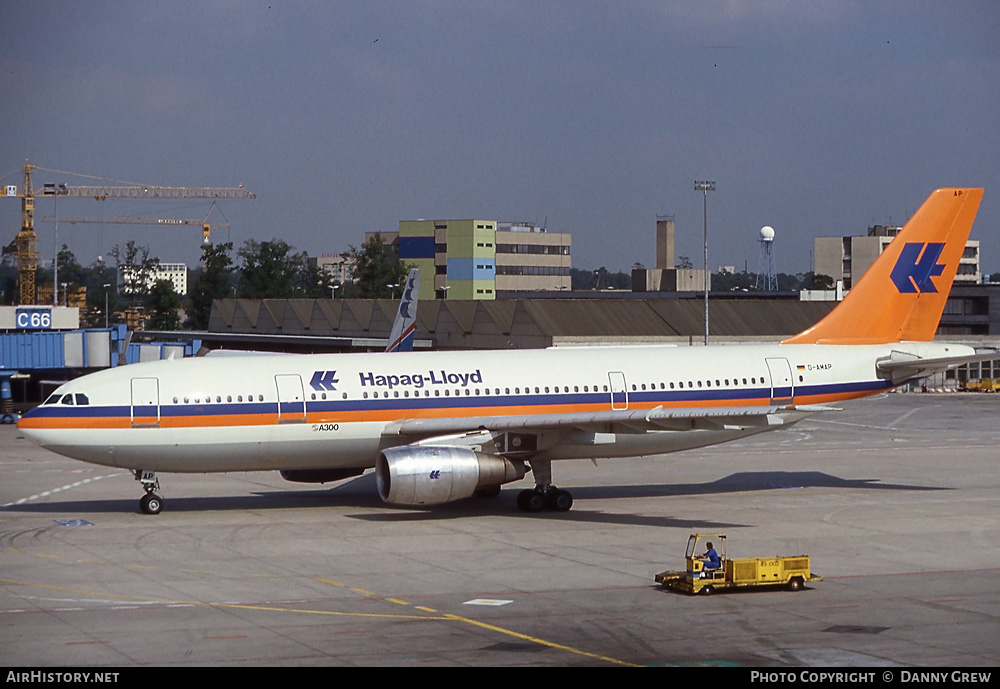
[901,297]
[405,325]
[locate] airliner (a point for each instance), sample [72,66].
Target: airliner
[443,426]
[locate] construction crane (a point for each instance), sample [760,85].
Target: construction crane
[27,241]
[206,227]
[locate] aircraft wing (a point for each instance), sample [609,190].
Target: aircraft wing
[623,421]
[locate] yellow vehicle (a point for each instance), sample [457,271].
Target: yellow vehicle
[701,577]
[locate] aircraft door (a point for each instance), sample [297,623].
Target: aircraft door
[145,402]
[619,393]
[291,399]
[782,383]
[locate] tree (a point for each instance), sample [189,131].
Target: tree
[311,282]
[213,282]
[376,266]
[819,281]
[136,269]
[268,271]
[162,304]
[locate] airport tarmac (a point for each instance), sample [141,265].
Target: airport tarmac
[896,499]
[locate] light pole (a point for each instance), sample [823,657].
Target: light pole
[705,186]
[106,285]
[333,291]
[444,291]
[393,287]
[55,190]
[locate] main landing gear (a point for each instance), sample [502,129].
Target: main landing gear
[151,503]
[544,496]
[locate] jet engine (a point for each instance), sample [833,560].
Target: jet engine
[434,475]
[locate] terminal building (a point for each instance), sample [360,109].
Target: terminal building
[175,273]
[847,258]
[481,259]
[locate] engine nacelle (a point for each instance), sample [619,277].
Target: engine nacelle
[435,475]
[319,475]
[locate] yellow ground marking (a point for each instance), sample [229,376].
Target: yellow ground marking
[203,604]
[536,640]
[491,627]
[331,582]
[197,571]
[334,613]
[140,566]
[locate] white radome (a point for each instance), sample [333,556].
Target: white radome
[767,233]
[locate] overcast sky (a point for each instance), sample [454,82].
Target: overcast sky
[818,118]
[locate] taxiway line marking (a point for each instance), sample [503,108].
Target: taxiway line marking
[203,604]
[491,627]
[536,640]
[336,613]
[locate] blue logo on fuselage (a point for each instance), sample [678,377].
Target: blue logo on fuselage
[324,380]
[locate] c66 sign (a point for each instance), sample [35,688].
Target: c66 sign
[33,319]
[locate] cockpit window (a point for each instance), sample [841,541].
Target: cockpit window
[53,399]
[81,399]
[67,399]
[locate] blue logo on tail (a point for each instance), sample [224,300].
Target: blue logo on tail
[913,270]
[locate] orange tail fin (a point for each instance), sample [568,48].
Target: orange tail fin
[901,297]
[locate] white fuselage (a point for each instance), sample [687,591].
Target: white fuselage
[293,412]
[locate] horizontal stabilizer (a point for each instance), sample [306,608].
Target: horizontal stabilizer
[904,369]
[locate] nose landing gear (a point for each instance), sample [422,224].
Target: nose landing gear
[150,503]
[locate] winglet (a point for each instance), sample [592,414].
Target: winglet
[404,327]
[901,297]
